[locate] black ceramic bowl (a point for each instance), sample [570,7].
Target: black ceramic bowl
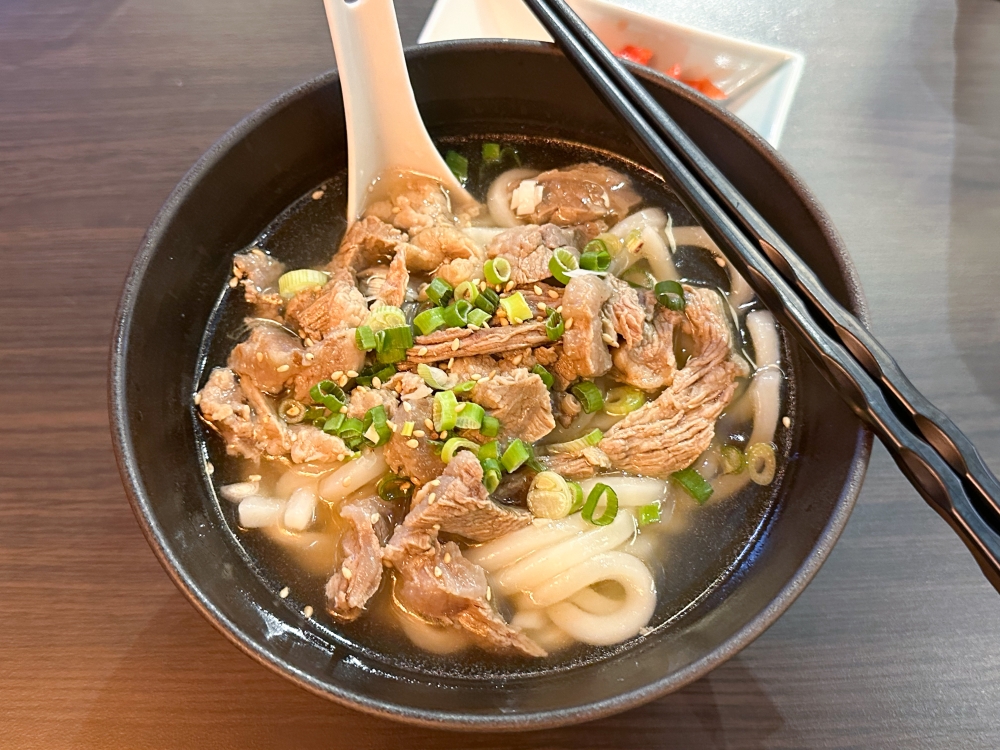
[294,143]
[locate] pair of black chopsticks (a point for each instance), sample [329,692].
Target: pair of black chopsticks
[937,458]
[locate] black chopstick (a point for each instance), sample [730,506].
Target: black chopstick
[946,469]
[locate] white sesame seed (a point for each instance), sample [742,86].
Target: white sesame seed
[451,363]
[352,374]
[405,486]
[553,294]
[489,593]
[284,368]
[436,527]
[284,593]
[336,375]
[786,421]
[447,557]
[432,498]
[342,410]
[254,477]
[721,262]
[473,327]
[542,307]
[517,359]
[438,572]
[197,398]
[418,433]
[209,468]
[407,406]
[376,383]
[429,424]
[569,323]
[422,351]
[412,443]
[458,409]
[307,612]
[374,518]
[260,356]
[310,356]
[233,282]
[435,483]
[504,322]
[510,285]
[308,342]
[444,434]
[343,381]
[455,344]
[346,572]
[317,195]
[559,309]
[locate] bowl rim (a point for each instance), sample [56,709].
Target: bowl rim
[141,503]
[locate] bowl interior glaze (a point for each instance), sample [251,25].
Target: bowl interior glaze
[284,149]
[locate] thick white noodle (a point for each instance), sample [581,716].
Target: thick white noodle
[258,512]
[739,291]
[600,629]
[315,552]
[300,511]
[436,640]
[542,565]
[590,601]
[633,492]
[292,480]
[513,546]
[353,475]
[765,390]
[498,197]
[653,224]
[236,492]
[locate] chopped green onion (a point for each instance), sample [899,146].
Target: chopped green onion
[439,291]
[384,373]
[470,417]
[458,165]
[516,454]
[547,377]
[576,446]
[333,425]
[589,396]
[399,337]
[550,496]
[453,445]
[596,256]
[352,432]
[489,450]
[611,505]
[516,307]
[694,484]
[509,153]
[492,473]
[385,316]
[488,300]
[670,294]
[649,514]
[633,240]
[329,394]
[316,415]
[456,315]
[491,152]
[762,463]
[733,460]
[639,278]
[578,499]
[624,400]
[555,326]
[597,245]
[490,426]
[463,388]
[376,427]
[294,282]
[291,411]
[443,409]
[390,356]
[478,317]
[435,377]
[467,291]
[497,271]
[364,336]
[391,488]
[563,261]
[429,320]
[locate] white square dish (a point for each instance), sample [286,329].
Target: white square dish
[757,83]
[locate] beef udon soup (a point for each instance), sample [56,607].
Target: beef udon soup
[528,428]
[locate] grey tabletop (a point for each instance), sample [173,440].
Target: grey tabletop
[103,106]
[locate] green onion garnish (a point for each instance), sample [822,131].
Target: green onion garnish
[390,488]
[456,315]
[762,463]
[491,152]
[443,409]
[563,261]
[376,428]
[633,240]
[291,411]
[555,326]
[490,426]
[489,450]
[400,337]
[589,395]
[578,499]
[453,445]
[329,394]
[458,165]
[384,373]
[517,453]
[624,400]
[365,338]
[294,282]
[595,256]
[439,291]
[478,317]
[649,514]
[488,301]
[463,388]
[547,377]
[467,291]
[352,432]
[429,320]
[316,415]
[332,425]
[492,473]
[470,417]
[516,307]
[576,446]
[497,271]
[733,460]
[435,377]
[694,484]
[611,508]
[390,356]
[670,294]
[385,316]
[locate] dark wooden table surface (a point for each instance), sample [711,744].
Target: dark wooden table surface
[103,106]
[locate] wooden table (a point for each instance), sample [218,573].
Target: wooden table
[103,106]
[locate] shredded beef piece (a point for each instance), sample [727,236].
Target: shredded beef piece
[585,354]
[458,503]
[529,250]
[541,304]
[625,311]
[417,202]
[338,352]
[438,584]
[360,573]
[446,252]
[259,274]
[393,289]
[367,242]
[337,305]
[577,465]
[223,403]
[484,341]
[464,368]
[420,464]
[520,400]
[668,434]
[582,194]
[270,357]
[310,445]
[363,399]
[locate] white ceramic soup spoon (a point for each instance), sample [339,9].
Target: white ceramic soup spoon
[384,127]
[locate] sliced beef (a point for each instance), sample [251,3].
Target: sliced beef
[270,357]
[223,403]
[418,462]
[318,312]
[338,352]
[360,573]
[529,250]
[440,344]
[585,353]
[520,400]
[668,434]
[577,465]
[363,399]
[310,445]
[368,242]
[397,279]
[626,313]
[417,202]
[547,297]
[457,502]
[473,368]
[582,194]
[259,274]
[437,583]
[447,252]
[270,431]
[649,363]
